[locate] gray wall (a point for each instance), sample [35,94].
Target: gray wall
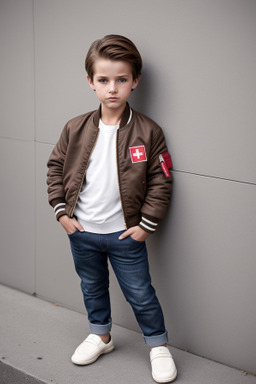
[199,85]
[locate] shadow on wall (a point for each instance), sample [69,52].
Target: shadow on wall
[141,98]
[148,97]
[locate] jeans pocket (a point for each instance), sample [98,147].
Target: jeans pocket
[73,233]
[137,241]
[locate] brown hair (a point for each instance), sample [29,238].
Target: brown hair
[114,47]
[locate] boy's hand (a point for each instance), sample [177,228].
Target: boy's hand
[70,225]
[136,233]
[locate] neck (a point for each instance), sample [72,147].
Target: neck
[111,117]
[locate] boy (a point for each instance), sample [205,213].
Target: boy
[109,184]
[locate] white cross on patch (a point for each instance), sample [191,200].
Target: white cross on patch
[138,154]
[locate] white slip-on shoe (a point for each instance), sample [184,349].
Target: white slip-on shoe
[90,349]
[163,367]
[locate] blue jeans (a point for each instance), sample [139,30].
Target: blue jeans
[129,261]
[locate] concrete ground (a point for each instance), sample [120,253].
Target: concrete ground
[37,339]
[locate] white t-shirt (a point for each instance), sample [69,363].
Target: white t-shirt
[99,207]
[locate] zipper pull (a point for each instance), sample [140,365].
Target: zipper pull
[164,166]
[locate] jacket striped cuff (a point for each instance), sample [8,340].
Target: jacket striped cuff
[59,210]
[148,225]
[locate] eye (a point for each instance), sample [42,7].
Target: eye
[103,81]
[122,80]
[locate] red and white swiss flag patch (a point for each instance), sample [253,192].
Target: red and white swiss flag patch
[138,154]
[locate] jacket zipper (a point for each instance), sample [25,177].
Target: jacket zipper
[118,177]
[83,175]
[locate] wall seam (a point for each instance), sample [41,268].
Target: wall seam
[17,139]
[215,177]
[35,162]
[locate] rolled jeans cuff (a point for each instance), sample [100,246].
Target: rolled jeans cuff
[156,341]
[99,329]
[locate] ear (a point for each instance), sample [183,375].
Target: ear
[135,83]
[90,81]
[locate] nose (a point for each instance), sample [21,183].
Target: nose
[112,87]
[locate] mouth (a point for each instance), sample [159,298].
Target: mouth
[112,98]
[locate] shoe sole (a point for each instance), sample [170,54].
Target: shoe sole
[165,380]
[92,360]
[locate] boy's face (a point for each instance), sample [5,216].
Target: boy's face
[113,82]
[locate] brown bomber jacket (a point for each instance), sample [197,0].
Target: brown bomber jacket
[144,188]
